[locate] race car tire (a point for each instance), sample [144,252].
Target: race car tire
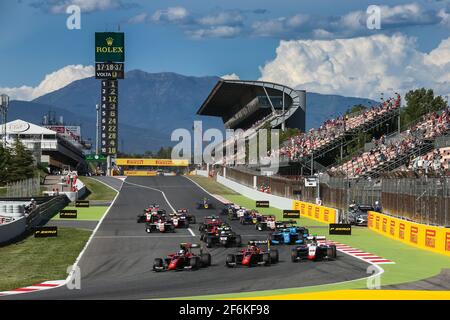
[266,259]
[205,259]
[209,242]
[294,255]
[274,256]
[231,261]
[194,263]
[157,263]
[238,241]
[331,252]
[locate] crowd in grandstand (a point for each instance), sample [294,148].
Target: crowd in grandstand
[434,161]
[306,143]
[433,125]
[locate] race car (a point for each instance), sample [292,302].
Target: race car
[179,220]
[149,212]
[222,236]
[205,204]
[250,217]
[232,212]
[228,207]
[253,255]
[267,222]
[160,224]
[184,259]
[289,235]
[314,249]
[210,221]
[190,217]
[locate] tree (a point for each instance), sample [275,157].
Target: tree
[164,153]
[355,108]
[5,158]
[21,164]
[420,102]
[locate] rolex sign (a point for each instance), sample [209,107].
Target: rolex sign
[109,47]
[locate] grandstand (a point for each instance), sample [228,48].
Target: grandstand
[320,147]
[252,104]
[416,141]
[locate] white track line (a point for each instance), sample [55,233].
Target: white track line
[191,232]
[153,236]
[203,189]
[146,187]
[109,185]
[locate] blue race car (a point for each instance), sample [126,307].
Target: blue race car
[289,235]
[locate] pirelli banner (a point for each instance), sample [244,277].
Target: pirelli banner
[316,212]
[436,239]
[152,162]
[139,173]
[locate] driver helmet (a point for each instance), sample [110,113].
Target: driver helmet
[181,252]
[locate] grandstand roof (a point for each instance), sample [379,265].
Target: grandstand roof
[229,93]
[22,127]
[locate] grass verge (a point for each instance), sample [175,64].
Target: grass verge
[91,213]
[411,264]
[97,190]
[35,260]
[212,186]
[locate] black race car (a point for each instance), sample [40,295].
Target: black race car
[314,248]
[222,236]
[357,214]
[190,217]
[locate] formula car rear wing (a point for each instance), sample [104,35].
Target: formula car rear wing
[316,237]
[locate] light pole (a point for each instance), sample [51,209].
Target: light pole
[4,112]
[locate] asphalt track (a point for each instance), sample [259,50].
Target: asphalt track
[117,264]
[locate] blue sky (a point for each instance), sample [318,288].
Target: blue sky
[197,37]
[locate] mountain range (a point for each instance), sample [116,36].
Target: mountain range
[152,105]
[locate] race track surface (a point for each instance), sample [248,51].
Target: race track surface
[118,262]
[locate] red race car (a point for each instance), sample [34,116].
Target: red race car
[210,221]
[253,255]
[184,259]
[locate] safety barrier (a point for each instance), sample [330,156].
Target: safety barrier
[316,212]
[436,239]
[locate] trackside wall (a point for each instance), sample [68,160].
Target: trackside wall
[316,212]
[436,239]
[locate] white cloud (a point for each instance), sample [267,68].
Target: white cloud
[230,76]
[53,81]
[214,32]
[228,18]
[363,66]
[140,18]
[172,14]
[350,24]
[60,6]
